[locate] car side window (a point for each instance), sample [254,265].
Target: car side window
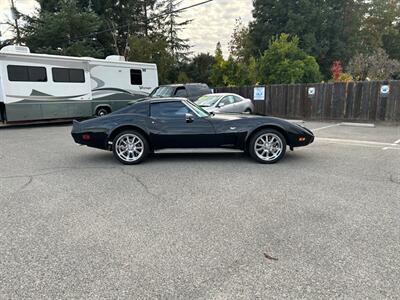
[237,99]
[180,92]
[169,110]
[227,100]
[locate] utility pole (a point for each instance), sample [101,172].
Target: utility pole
[14,15]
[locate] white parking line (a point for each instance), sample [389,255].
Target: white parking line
[369,125]
[325,127]
[396,143]
[345,141]
[391,148]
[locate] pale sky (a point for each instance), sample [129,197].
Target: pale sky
[212,22]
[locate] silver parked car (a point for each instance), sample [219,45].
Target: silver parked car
[225,103]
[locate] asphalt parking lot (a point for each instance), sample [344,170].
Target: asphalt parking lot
[323,223]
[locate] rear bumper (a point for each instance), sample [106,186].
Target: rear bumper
[89,138]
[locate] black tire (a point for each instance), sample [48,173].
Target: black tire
[248,111]
[102,111]
[271,133]
[130,161]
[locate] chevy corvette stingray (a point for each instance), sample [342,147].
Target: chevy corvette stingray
[137,130]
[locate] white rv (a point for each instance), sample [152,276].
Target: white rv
[40,86]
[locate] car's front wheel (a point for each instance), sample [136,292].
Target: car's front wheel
[248,111]
[267,146]
[130,147]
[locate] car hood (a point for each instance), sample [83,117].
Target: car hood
[209,108]
[259,120]
[233,116]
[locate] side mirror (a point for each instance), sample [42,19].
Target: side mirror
[221,105]
[189,118]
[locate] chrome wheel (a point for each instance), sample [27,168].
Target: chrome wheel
[268,146]
[129,147]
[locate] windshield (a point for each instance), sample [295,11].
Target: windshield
[207,101]
[162,91]
[197,109]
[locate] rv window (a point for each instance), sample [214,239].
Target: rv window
[37,74]
[60,75]
[68,75]
[76,75]
[25,73]
[136,77]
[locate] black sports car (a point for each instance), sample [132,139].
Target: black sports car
[136,130]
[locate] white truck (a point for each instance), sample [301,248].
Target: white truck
[41,86]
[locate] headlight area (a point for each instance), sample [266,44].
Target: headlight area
[300,140]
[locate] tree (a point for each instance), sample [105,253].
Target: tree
[375,66]
[391,42]
[327,29]
[179,47]
[240,44]
[119,19]
[252,77]
[182,77]
[153,49]
[199,68]
[217,70]
[380,24]
[285,62]
[63,31]
[336,70]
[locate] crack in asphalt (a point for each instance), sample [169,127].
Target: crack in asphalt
[30,179]
[142,184]
[52,171]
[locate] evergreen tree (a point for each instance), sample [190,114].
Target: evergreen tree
[217,70]
[153,49]
[381,27]
[199,69]
[172,27]
[60,31]
[327,29]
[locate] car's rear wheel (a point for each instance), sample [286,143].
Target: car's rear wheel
[248,111]
[130,147]
[267,146]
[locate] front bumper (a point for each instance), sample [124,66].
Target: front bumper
[300,139]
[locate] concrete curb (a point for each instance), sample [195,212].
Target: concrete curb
[369,125]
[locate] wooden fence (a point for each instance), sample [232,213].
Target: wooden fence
[353,101]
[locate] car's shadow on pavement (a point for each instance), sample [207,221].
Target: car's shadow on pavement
[106,158]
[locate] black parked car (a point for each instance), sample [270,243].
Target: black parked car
[135,131]
[191,91]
